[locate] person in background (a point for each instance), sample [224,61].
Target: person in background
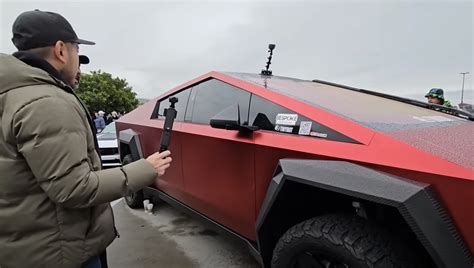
[108,119]
[100,121]
[436,96]
[115,116]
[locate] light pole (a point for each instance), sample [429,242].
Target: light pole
[462,91]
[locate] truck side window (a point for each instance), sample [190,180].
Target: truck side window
[264,114]
[212,97]
[180,107]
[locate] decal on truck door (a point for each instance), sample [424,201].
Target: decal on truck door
[305,128]
[286,119]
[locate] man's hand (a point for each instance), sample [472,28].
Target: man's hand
[160,161]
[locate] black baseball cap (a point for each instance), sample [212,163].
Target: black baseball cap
[34,29]
[83,59]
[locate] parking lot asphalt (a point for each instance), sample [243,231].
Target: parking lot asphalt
[169,238]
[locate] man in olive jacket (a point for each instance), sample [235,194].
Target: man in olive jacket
[54,199]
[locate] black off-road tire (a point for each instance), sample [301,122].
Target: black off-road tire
[340,240]
[133,200]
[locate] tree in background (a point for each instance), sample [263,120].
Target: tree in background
[100,91]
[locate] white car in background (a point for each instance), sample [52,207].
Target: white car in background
[108,146]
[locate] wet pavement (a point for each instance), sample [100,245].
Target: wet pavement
[169,238]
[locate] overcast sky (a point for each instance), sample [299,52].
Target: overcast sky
[398,47]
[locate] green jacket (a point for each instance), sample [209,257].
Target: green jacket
[54,199]
[447,104]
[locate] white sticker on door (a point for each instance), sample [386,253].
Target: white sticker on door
[284,129]
[319,135]
[305,127]
[286,119]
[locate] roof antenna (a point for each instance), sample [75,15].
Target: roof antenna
[271,47]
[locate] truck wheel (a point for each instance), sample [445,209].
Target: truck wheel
[133,200]
[341,241]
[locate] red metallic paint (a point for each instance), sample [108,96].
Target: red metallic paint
[225,176]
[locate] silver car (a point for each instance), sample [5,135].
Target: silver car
[108,146]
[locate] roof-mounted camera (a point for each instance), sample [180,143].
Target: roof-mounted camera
[267,70]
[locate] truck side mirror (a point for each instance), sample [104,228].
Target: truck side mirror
[230,119]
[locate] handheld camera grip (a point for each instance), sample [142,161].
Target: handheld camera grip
[170,114]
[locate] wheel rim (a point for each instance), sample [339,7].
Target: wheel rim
[309,259]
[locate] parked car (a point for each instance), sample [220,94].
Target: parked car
[108,146]
[315,174]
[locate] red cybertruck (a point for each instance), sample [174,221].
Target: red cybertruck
[315,174]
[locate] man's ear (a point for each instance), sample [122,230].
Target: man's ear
[60,51]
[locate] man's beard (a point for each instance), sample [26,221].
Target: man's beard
[65,80]
[76,83]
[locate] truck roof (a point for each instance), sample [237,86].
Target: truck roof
[447,133]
